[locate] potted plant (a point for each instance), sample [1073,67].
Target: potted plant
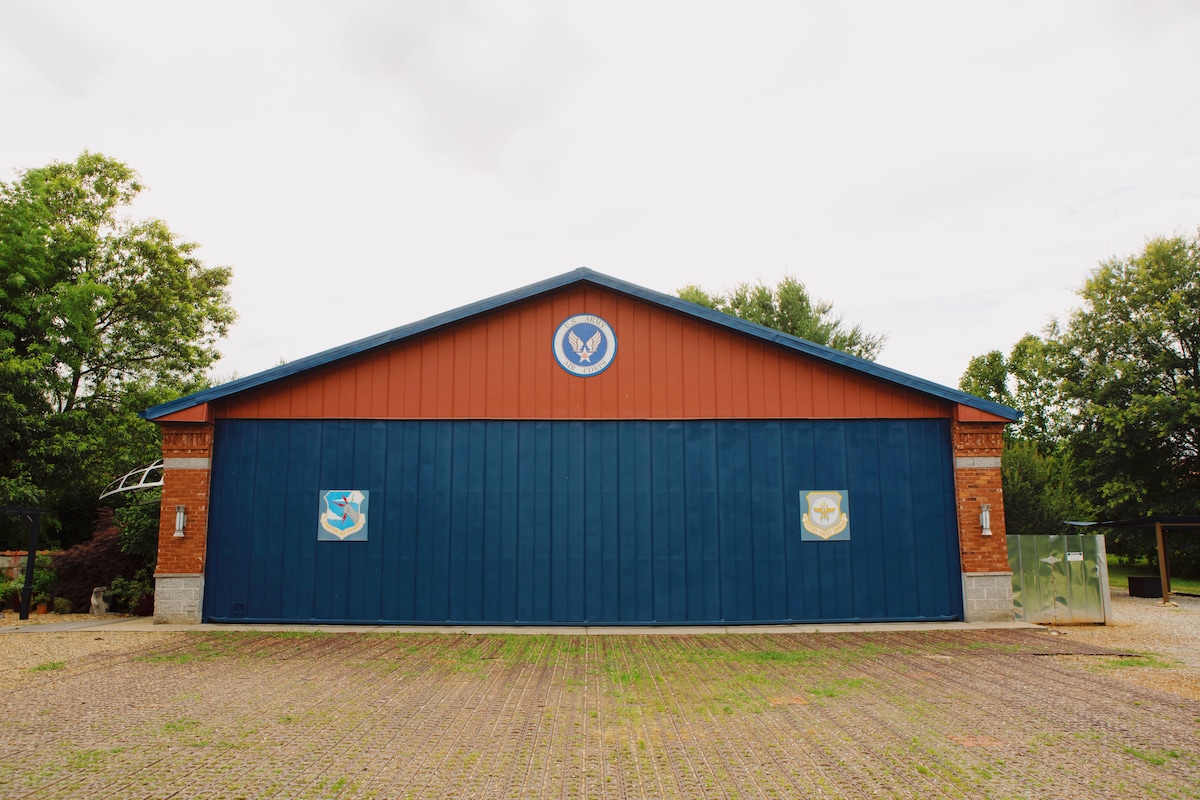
[43,579]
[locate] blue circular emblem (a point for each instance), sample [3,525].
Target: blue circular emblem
[584,345]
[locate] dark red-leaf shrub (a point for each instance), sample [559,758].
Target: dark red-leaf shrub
[85,566]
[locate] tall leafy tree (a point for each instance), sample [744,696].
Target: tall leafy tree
[1027,379]
[788,307]
[1112,399]
[100,316]
[1130,367]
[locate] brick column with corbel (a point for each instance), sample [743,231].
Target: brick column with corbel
[187,470]
[987,576]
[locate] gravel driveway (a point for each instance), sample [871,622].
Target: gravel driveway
[977,713]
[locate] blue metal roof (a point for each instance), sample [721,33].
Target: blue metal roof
[578,276]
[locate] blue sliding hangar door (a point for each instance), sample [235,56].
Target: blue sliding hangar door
[596,522]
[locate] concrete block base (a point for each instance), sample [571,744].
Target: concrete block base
[178,599]
[987,597]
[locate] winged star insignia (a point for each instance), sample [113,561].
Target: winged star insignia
[584,345]
[585,351]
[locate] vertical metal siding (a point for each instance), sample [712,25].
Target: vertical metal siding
[1050,589]
[574,522]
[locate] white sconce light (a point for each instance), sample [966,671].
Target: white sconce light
[985,519]
[180,521]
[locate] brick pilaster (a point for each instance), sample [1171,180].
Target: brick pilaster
[977,449]
[187,468]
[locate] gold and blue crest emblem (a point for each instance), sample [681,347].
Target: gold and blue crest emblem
[343,516]
[584,345]
[825,515]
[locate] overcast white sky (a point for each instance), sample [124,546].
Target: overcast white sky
[945,172]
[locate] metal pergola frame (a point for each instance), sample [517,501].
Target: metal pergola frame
[149,477]
[1160,526]
[34,517]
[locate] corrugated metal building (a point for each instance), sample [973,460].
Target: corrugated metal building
[581,451]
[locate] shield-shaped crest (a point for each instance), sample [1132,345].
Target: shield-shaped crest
[826,514]
[343,515]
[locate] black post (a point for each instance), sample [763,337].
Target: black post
[35,528]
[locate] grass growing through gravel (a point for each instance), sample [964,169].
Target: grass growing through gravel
[201,651]
[1141,660]
[302,634]
[290,714]
[837,688]
[48,666]
[707,674]
[1156,758]
[91,760]
[187,732]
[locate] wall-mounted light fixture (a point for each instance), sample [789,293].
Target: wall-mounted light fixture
[180,521]
[985,519]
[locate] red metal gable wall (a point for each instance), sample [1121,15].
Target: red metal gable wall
[500,366]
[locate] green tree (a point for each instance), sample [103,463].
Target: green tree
[1039,492]
[788,307]
[1112,400]
[100,316]
[987,376]
[1129,363]
[1027,380]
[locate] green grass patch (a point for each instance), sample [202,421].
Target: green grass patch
[468,660]
[169,658]
[781,657]
[744,692]
[179,725]
[837,653]
[837,688]
[1118,575]
[625,676]
[187,732]
[48,666]
[567,645]
[1157,758]
[90,760]
[212,646]
[1141,660]
[471,655]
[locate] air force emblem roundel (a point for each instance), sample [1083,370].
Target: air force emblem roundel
[826,515]
[584,345]
[343,516]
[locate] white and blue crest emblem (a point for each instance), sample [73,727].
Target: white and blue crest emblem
[343,516]
[584,345]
